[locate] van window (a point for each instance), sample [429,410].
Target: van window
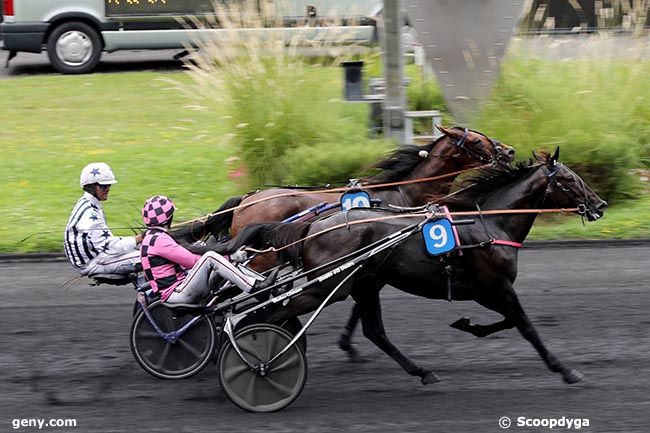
[123,8]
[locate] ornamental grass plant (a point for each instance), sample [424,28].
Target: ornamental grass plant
[596,109]
[283,112]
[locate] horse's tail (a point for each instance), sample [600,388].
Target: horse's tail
[217,225]
[278,235]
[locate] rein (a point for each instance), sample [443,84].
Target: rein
[327,230]
[331,190]
[460,144]
[426,216]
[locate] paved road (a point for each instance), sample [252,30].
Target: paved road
[64,354]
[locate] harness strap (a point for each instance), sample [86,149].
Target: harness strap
[471,246]
[426,215]
[449,271]
[490,242]
[203,219]
[454,229]
[507,243]
[449,268]
[480,214]
[460,143]
[329,229]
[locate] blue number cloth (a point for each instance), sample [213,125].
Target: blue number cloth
[355,199]
[438,236]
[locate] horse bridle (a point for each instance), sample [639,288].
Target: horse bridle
[550,174]
[496,145]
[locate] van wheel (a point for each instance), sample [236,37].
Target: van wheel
[74,48]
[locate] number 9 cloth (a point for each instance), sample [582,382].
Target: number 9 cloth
[438,237]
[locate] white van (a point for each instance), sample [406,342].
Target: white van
[75,32]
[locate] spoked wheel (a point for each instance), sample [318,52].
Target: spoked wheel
[265,388]
[179,360]
[293,325]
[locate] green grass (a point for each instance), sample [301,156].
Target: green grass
[630,220]
[53,126]
[158,143]
[155,138]
[289,124]
[597,112]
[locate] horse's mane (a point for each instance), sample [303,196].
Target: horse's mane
[488,181]
[400,163]
[217,224]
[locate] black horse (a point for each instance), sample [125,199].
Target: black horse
[484,274]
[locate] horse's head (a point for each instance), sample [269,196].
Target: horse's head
[566,189]
[472,148]
[459,149]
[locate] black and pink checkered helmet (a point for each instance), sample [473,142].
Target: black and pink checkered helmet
[157,211]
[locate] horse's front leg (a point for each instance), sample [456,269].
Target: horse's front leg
[510,307]
[480,331]
[369,308]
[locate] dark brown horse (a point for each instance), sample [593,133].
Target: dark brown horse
[456,150]
[485,274]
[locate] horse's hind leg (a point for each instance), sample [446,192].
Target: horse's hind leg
[510,307]
[345,339]
[369,308]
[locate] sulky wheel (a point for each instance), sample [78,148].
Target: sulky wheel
[178,360]
[293,325]
[262,390]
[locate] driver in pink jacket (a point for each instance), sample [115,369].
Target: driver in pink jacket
[179,275]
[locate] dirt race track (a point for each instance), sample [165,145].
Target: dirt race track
[65,354]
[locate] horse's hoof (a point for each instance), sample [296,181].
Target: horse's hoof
[573,376]
[461,323]
[344,345]
[355,358]
[430,378]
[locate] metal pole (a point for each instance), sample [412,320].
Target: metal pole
[395,102]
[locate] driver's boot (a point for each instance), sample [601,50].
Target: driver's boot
[267,282]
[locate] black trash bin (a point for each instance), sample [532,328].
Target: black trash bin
[353,80]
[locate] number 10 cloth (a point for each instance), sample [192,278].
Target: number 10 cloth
[354,199]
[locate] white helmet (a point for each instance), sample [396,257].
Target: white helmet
[97,172]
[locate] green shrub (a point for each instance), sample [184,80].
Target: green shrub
[426,95]
[596,111]
[277,102]
[271,114]
[422,92]
[333,163]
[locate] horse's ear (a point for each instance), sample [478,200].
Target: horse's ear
[556,155]
[536,157]
[447,131]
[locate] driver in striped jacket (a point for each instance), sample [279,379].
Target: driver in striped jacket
[89,245]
